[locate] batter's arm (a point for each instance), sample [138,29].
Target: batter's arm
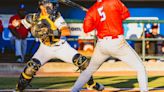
[123,10]
[89,23]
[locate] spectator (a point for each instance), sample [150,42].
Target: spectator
[1,27]
[154,47]
[1,30]
[19,34]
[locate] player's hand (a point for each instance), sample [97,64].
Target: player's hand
[15,23]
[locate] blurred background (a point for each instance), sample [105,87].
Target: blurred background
[144,30]
[139,9]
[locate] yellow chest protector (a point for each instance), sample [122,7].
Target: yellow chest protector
[52,24]
[51,40]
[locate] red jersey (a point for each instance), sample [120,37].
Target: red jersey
[21,30]
[1,26]
[106,16]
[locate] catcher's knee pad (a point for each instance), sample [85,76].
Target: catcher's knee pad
[81,61]
[27,75]
[32,67]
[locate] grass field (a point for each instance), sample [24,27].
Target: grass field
[67,82]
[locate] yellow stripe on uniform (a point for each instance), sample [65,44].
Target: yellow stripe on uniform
[26,76]
[53,26]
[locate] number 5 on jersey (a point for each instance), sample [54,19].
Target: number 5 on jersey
[101,13]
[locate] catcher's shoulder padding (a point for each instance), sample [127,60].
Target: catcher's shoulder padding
[31,18]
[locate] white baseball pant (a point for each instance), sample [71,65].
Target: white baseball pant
[118,48]
[62,50]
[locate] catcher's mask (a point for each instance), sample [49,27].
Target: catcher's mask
[50,5]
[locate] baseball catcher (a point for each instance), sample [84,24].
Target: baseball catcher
[49,27]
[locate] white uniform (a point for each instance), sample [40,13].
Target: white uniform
[119,49]
[106,16]
[60,50]
[49,29]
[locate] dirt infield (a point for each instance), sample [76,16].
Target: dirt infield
[65,69]
[118,73]
[108,69]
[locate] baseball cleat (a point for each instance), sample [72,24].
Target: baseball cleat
[95,86]
[99,87]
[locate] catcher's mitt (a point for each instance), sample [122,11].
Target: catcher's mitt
[41,30]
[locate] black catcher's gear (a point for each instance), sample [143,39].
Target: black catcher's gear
[50,5]
[28,73]
[43,28]
[82,62]
[42,2]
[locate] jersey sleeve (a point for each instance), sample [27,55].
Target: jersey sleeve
[89,23]
[123,10]
[60,23]
[62,26]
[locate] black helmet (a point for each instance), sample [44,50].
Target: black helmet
[53,2]
[42,2]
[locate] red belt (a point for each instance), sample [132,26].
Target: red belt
[112,37]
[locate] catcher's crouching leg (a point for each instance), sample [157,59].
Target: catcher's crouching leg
[28,73]
[82,62]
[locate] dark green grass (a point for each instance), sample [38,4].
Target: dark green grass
[67,82]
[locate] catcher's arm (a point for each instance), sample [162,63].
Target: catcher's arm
[62,26]
[65,31]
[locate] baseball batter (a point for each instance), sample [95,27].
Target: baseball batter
[106,16]
[49,27]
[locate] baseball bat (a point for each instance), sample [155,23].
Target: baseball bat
[70,3]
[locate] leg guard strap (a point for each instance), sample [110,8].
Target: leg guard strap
[28,73]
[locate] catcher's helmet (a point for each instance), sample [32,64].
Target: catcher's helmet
[42,2]
[50,10]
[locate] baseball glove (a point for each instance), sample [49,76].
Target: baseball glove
[41,30]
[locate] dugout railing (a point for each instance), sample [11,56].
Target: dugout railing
[143,39]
